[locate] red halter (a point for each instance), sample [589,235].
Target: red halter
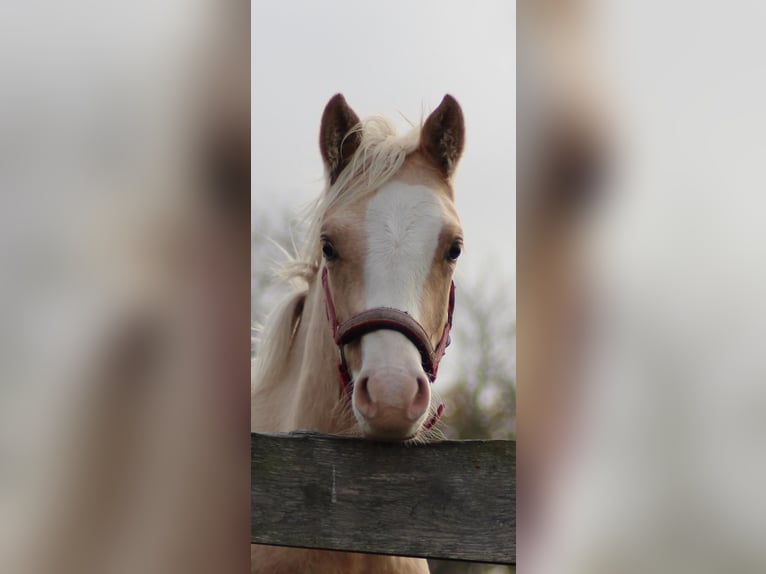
[393,320]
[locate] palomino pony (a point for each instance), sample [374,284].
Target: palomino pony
[354,350]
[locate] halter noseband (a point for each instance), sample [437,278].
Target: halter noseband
[380,318]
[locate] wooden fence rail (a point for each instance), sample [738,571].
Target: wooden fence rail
[448,500]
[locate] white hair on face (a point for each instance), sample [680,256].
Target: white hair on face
[403,223]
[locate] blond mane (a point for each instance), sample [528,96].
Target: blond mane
[378,158]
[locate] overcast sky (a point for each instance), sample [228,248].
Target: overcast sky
[391,58]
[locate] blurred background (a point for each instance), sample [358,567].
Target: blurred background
[124,363]
[641,422]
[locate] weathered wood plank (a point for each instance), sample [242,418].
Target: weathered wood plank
[448,500]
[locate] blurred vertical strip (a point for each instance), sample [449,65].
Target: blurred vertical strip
[124,286]
[562,159]
[641,366]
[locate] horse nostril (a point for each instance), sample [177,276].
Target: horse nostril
[422,388]
[421,400]
[362,396]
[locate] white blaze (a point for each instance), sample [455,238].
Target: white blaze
[403,224]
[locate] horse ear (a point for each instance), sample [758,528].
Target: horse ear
[443,135]
[336,140]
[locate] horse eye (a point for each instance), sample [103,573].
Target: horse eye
[328,250]
[454,251]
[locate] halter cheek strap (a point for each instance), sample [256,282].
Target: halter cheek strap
[391,319]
